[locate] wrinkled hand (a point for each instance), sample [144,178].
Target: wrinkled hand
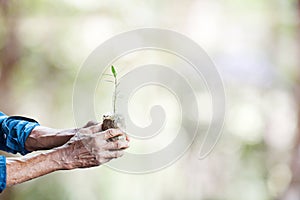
[91,123]
[89,147]
[99,129]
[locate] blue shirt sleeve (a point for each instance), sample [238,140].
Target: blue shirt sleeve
[14,131]
[2,173]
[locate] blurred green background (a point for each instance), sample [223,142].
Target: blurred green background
[255,45]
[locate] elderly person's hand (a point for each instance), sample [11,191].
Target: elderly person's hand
[88,146]
[89,149]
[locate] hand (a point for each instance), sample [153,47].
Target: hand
[99,129]
[90,123]
[44,138]
[89,147]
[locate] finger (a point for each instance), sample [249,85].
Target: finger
[110,133]
[113,154]
[119,144]
[90,123]
[127,137]
[95,128]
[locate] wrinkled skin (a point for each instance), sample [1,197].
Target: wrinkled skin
[88,147]
[88,150]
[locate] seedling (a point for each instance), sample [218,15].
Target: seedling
[115,120]
[114,72]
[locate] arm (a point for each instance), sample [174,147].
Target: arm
[87,151]
[44,138]
[24,169]
[21,134]
[14,131]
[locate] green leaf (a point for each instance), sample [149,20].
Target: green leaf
[113,70]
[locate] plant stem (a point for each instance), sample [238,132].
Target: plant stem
[114,73]
[115,95]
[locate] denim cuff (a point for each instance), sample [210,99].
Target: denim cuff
[16,130]
[2,173]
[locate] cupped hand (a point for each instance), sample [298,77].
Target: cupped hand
[90,147]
